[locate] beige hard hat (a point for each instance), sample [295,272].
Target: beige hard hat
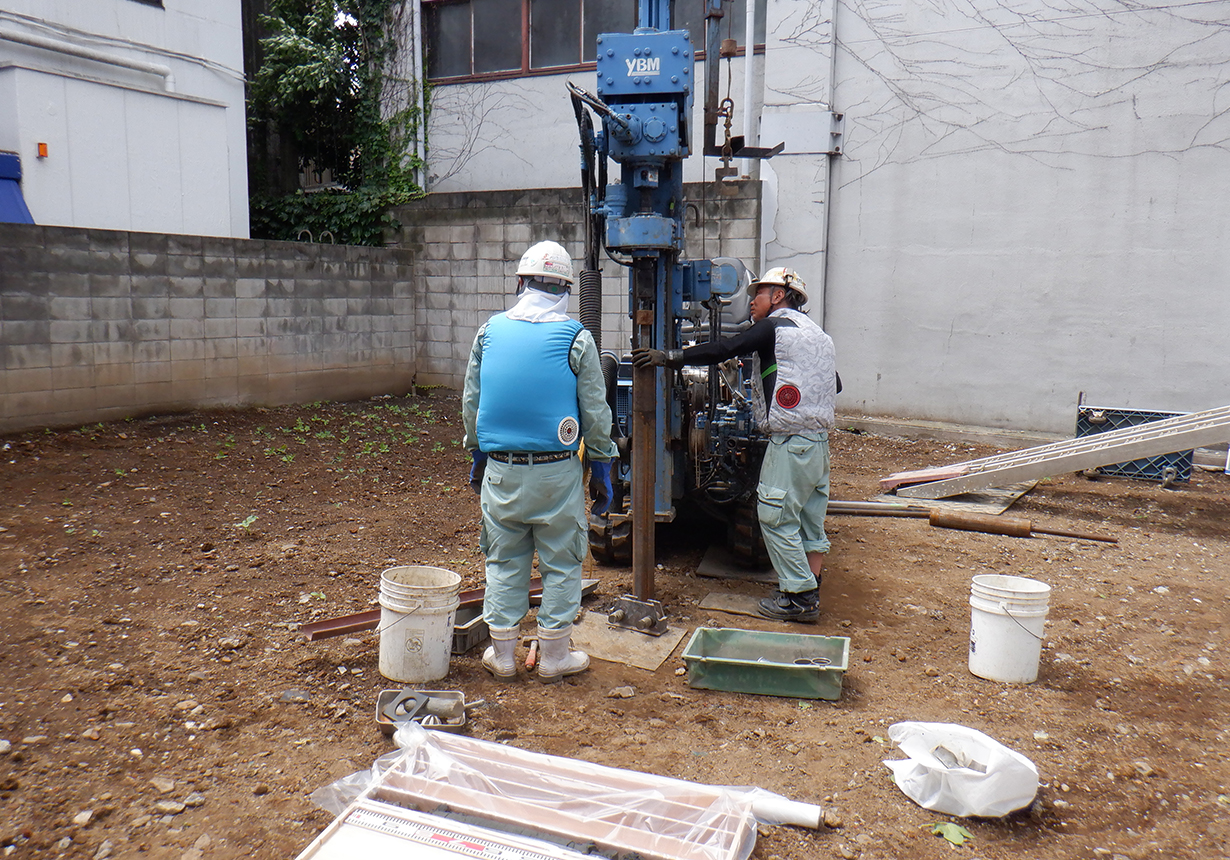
[779,276]
[546,261]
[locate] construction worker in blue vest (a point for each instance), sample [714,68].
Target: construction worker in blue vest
[534,390]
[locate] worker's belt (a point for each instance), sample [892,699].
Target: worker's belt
[529,458]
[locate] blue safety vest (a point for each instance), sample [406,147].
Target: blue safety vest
[528,390]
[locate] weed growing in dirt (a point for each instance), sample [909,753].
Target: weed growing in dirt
[339,434]
[225,447]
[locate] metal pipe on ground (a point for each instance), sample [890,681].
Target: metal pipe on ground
[986,523]
[1010,526]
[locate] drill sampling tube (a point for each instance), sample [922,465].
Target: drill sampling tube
[999,525]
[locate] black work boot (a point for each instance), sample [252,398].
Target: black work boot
[788,606]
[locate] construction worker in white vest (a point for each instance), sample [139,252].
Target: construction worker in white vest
[534,390]
[796,362]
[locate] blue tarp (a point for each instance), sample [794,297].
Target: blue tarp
[13,207]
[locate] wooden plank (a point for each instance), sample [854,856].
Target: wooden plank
[720,563]
[933,473]
[735,604]
[990,500]
[619,645]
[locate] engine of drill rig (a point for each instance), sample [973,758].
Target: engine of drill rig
[724,447]
[719,452]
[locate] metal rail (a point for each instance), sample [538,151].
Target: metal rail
[1117,446]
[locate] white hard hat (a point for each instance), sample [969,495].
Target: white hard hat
[546,261]
[779,276]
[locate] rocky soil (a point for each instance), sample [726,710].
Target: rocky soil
[157,698]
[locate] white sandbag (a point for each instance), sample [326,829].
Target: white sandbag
[960,771]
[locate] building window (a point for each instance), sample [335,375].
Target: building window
[505,38]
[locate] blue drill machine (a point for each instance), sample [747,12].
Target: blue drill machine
[683,434]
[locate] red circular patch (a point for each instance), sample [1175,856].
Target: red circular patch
[788,397]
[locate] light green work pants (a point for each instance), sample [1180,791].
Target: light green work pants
[526,508]
[792,499]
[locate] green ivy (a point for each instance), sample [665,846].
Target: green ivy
[320,84]
[358,217]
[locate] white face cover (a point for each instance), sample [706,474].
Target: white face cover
[538,306]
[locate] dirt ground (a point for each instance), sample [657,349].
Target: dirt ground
[157,699]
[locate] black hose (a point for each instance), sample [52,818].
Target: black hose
[715,334]
[590,293]
[590,297]
[610,375]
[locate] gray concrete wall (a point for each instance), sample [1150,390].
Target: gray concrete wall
[98,325]
[468,245]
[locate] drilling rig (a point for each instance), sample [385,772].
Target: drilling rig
[689,434]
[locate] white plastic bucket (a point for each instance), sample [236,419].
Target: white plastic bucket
[1007,620]
[418,607]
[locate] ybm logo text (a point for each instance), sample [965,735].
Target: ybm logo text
[644,66]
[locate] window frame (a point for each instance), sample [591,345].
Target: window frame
[526,71]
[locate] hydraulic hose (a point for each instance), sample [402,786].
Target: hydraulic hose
[590,293]
[591,304]
[610,375]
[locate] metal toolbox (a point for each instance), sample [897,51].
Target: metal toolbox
[798,665]
[469,629]
[388,724]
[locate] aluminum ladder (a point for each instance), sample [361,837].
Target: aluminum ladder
[1103,449]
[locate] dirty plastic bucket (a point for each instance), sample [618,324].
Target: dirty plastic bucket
[1007,619]
[418,606]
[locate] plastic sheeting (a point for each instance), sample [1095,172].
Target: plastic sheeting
[960,771]
[570,798]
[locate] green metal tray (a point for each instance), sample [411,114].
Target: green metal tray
[799,665]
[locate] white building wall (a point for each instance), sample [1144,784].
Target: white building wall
[128,149]
[522,133]
[1030,202]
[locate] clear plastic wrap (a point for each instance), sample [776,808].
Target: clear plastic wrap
[568,800]
[336,796]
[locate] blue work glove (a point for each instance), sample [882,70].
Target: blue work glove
[477,470]
[600,487]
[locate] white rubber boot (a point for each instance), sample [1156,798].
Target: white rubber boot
[500,658]
[556,657]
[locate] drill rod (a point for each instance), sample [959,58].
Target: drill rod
[643,517]
[644,435]
[999,525]
[995,525]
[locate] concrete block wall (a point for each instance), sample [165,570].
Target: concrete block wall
[467,246]
[97,324]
